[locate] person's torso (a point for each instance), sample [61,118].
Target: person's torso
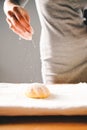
[63,37]
[63,17]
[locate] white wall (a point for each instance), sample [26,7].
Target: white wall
[19,59]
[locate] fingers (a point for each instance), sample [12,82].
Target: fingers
[15,22]
[22,19]
[19,22]
[19,14]
[9,22]
[26,16]
[25,35]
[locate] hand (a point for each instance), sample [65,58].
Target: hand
[18,20]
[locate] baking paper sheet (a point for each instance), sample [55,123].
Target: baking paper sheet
[65,99]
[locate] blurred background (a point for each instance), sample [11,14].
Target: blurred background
[20,59]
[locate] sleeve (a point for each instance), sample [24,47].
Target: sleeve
[21,2]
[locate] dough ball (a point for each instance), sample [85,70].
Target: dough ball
[37,90]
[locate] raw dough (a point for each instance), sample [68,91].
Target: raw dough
[37,90]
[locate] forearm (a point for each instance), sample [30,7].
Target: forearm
[19,2]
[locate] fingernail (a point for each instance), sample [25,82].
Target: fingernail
[29,38]
[28,35]
[10,25]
